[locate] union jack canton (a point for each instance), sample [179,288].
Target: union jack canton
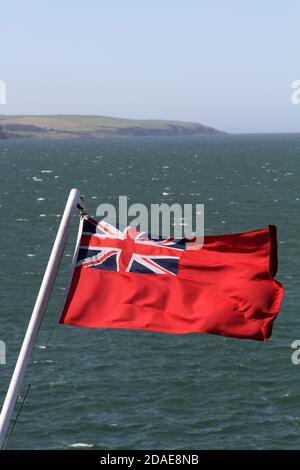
[103,246]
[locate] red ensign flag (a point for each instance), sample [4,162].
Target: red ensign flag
[122,279]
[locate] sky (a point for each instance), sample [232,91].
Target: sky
[227,64]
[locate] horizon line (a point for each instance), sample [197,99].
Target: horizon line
[153,119]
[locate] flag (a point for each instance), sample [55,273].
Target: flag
[124,279]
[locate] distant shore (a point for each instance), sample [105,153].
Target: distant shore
[77,126]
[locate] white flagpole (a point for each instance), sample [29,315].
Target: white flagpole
[38,313]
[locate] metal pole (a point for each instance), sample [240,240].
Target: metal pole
[38,312]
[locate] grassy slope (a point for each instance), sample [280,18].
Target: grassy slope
[97,124]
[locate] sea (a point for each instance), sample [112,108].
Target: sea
[123,389]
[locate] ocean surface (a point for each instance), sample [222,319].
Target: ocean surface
[120,389]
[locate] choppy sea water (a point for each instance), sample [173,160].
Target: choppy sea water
[118,389]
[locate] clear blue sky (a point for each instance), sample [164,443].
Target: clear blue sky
[228,64]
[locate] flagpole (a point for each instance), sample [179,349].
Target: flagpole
[38,312]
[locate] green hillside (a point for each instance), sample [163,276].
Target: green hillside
[62,126]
